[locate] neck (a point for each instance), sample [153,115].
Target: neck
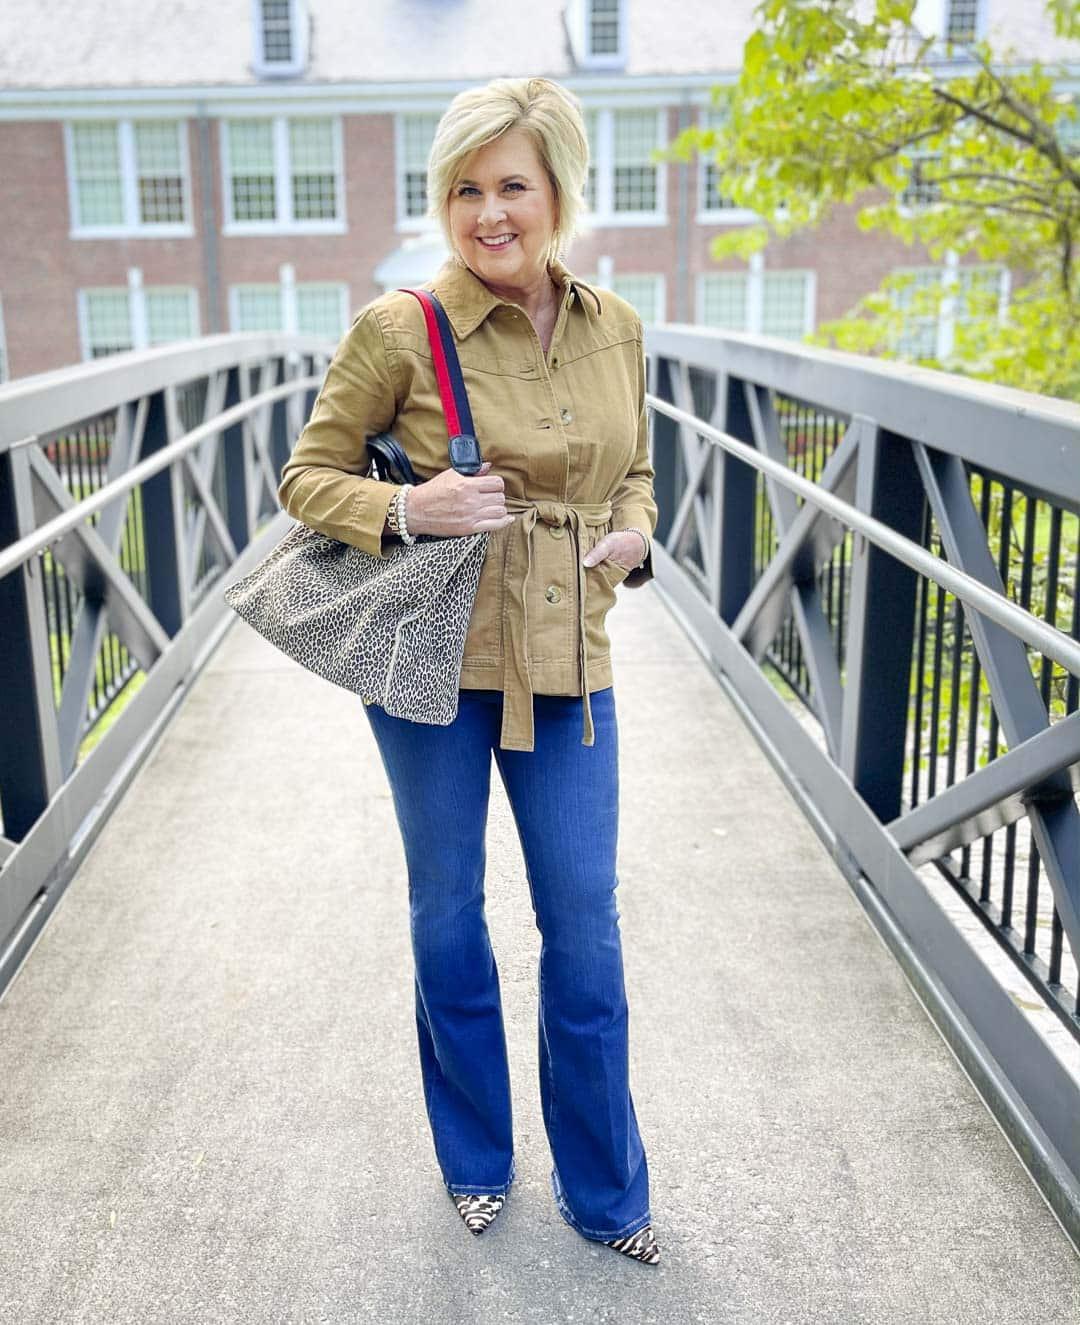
[534,298]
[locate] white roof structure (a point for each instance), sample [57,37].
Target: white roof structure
[185,43]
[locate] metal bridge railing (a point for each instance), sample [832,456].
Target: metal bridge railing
[882,564]
[129,487]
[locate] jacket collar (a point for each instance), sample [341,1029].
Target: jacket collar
[468,300]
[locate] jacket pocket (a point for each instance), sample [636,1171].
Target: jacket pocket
[612,571]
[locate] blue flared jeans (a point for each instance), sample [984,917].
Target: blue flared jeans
[565,800]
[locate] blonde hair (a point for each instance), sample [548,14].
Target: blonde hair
[548,112]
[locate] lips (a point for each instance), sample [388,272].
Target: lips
[494,248]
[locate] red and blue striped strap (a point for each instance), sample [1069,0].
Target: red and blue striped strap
[455,401]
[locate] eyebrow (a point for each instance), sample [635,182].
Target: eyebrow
[504,179]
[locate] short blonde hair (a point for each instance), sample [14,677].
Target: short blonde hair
[548,112]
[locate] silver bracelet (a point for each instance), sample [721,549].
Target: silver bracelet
[633,529]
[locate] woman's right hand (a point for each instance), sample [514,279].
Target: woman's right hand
[453,503]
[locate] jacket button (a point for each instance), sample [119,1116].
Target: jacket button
[553,593]
[565,415]
[556,530]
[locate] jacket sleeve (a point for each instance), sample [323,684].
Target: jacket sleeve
[633,504]
[322,482]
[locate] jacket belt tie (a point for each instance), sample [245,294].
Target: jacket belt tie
[517,721]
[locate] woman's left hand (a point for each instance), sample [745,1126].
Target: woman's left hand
[624,547]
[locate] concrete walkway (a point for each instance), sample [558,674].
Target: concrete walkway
[210,1103]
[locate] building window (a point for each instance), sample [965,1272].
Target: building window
[922,188]
[624,185]
[313,308]
[784,297]
[723,300]
[313,173]
[128,177]
[160,173]
[592,132]
[120,318]
[774,303]
[918,301]
[961,20]
[414,137]
[170,315]
[933,301]
[1068,128]
[283,174]
[597,31]
[636,186]
[321,310]
[952,21]
[646,293]
[280,29]
[713,207]
[603,19]
[251,170]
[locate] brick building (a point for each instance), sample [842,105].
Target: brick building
[175,170]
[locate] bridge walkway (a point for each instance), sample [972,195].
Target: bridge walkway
[210,1103]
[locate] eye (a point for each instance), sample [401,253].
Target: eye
[470,188]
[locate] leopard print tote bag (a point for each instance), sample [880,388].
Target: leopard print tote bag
[389,628]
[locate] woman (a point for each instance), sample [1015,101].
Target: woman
[555,375]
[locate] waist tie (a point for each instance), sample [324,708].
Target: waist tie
[517,721]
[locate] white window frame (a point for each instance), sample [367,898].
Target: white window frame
[5,365]
[755,273]
[405,224]
[283,223]
[707,215]
[131,226]
[603,160]
[579,28]
[298,27]
[138,321]
[286,286]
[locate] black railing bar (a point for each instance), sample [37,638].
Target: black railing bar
[12,557]
[1040,635]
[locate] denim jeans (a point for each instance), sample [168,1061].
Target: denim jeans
[564,797]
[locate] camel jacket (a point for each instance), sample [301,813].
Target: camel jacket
[566,430]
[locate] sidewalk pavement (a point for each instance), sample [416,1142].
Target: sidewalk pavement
[210,1102]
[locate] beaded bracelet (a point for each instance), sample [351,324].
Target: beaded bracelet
[633,529]
[397,518]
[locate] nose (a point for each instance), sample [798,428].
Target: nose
[491,212]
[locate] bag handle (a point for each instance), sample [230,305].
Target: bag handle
[464,448]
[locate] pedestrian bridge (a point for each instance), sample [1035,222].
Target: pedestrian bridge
[849,871]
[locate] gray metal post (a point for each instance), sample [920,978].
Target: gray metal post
[234,464]
[162,527]
[30,765]
[882,625]
[737,502]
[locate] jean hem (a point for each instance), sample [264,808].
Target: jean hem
[591,1233]
[469,1189]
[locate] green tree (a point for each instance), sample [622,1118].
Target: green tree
[960,149]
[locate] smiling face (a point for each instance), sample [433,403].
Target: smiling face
[503,190]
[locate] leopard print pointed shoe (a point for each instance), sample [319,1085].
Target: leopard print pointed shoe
[640,1246]
[478,1211]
